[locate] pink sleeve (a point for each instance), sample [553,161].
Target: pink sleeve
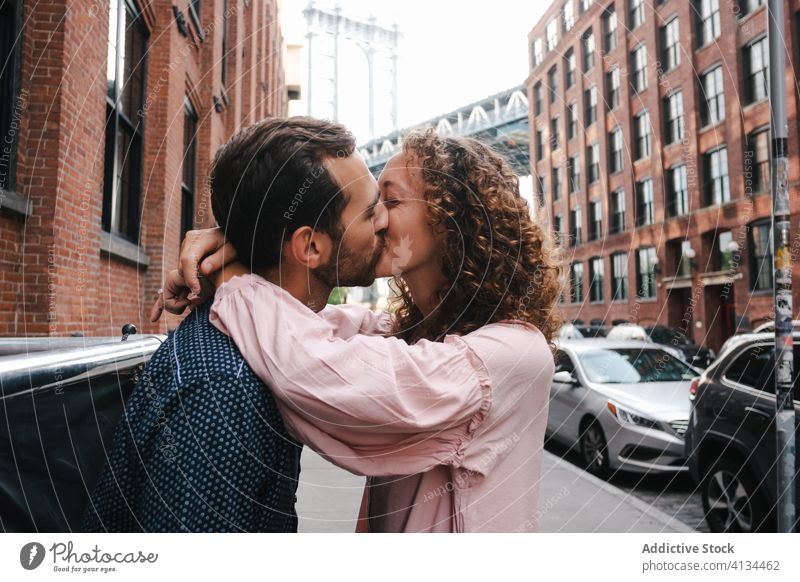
[374,405]
[349,320]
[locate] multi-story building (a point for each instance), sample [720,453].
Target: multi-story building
[111,112]
[660,184]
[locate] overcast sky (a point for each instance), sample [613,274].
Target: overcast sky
[452,53]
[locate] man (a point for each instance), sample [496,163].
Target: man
[202,446]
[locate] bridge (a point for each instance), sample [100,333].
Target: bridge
[500,120]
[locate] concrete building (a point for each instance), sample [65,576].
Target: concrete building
[111,112]
[650,145]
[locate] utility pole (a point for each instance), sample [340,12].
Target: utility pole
[782,270]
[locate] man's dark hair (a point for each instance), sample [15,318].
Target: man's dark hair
[269,180]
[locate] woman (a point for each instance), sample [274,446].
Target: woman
[470,268]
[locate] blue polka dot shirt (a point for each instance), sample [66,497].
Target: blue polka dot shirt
[201,446]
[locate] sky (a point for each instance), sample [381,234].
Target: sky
[451,54]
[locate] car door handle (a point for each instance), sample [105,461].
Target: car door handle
[758,412]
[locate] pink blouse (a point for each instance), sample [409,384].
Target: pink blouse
[449,433]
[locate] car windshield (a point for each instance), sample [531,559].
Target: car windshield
[665,335]
[633,365]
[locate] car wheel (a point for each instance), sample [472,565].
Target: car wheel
[594,450]
[731,500]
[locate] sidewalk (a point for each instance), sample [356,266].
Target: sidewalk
[570,500]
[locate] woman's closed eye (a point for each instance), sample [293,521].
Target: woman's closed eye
[391,202]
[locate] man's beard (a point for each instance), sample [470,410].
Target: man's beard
[349,268]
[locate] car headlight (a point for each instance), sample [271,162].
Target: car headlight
[633,418]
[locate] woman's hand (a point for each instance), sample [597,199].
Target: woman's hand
[203,253]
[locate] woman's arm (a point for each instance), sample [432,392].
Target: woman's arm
[372,404]
[349,320]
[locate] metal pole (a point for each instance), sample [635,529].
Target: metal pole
[782,265]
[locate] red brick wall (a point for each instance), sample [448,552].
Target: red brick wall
[55,279]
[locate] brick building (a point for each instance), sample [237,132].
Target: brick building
[650,146]
[111,112]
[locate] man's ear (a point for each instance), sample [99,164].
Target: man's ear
[309,248]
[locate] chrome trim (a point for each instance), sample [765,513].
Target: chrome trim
[24,373]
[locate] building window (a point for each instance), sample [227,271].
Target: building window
[724,260]
[641,128]
[761,247]
[577,282]
[645,205]
[715,170]
[639,66]
[541,190]
[584,5]
[673,117]
[189,166]
[595,220]
[756,70]
[537,99]
[570,66]
[670,45]
[637,13]
[572,120]
[677,191]
[555,137]
[556,183]
[557,228]
[568,16]
[552,34]
[10,104]
[596,280]
[539,144]
[127,39]
[748,6]
[619,277]
[708,26]
[646,272]
[610,29]
[613,86]
[593,163]
[756,162]
[712,97]
[575,226]
[574,174]
[589,48]
[538,53]
[617,212]
[590,102]
[552,82]
[684,268]
[615,150]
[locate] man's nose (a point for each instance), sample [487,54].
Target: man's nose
[381,220]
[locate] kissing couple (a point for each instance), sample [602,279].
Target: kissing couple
[441,401]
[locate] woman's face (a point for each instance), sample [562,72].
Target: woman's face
[411,242]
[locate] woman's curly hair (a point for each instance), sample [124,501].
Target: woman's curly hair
[499,264]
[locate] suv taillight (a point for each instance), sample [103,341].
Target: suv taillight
[693,388]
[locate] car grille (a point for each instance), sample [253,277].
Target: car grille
[679,426]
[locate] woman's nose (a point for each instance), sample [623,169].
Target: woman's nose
[381,219]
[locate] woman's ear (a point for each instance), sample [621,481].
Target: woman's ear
[310,248]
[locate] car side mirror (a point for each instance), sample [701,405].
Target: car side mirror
[564,377]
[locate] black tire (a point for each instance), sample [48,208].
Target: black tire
[731,500]
[594,450]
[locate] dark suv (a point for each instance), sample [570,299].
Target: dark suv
[730,442]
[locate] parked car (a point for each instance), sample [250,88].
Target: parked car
[730,442]
[61,399]
[621,404]
[591,330]
[770,326]
[670,339]
[569,331]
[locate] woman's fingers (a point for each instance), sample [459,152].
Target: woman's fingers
[196,245]
[218,259]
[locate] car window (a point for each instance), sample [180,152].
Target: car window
[755,368]
[564,363]
[633,365]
